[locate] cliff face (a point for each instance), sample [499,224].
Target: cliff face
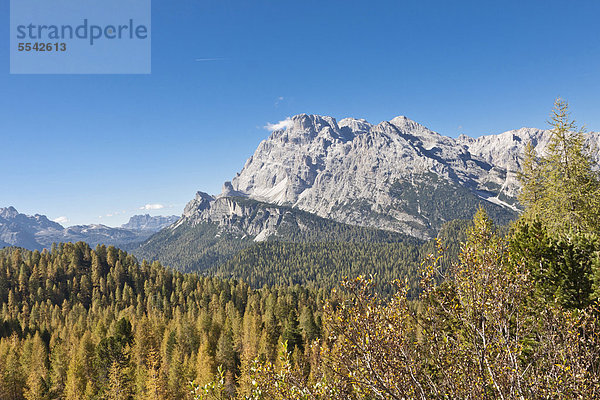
[234,215]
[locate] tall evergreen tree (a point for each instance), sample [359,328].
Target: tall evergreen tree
[558,237]
[562,187]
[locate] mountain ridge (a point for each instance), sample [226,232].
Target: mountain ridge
[38,232]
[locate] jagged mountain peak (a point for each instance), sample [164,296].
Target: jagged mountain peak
[406,125]
[200,202]
[37,221]
[346,171]
[305,128]
[149,223]
[402,122]
[8,212]
[312,122]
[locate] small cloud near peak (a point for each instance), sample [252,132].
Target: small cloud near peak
[286,123]
[61,220]
[152,207]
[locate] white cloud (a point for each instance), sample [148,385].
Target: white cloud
[286,123]
[152,207]
[61,220]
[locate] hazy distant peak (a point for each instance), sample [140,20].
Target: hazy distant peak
[38,232]
[149,223]
[8,212]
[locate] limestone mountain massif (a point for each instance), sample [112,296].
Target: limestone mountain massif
[397,175]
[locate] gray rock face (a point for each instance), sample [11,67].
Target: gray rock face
[346,171]
[233,215]
[198,204]
[358,173]
[218,228]
[149,223]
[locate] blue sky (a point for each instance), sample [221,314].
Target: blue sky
[90,146]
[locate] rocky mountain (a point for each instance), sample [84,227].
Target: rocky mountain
[20,230]
[323,180]
[149,223]
[397,175]
[38,232]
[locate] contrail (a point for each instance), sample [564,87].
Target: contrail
[209,59]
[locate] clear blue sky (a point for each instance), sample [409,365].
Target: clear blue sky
[89,146]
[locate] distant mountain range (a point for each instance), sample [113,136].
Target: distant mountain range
[37,232]
[149,223]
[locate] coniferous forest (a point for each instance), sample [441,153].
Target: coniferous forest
[82,323]
[484,312]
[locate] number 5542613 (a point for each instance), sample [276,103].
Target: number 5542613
[39,47]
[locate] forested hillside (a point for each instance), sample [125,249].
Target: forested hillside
[80,323]
[323,265]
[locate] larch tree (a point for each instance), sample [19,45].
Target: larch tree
[562,186]
[558,236]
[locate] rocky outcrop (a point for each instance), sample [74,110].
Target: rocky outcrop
[234,215]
